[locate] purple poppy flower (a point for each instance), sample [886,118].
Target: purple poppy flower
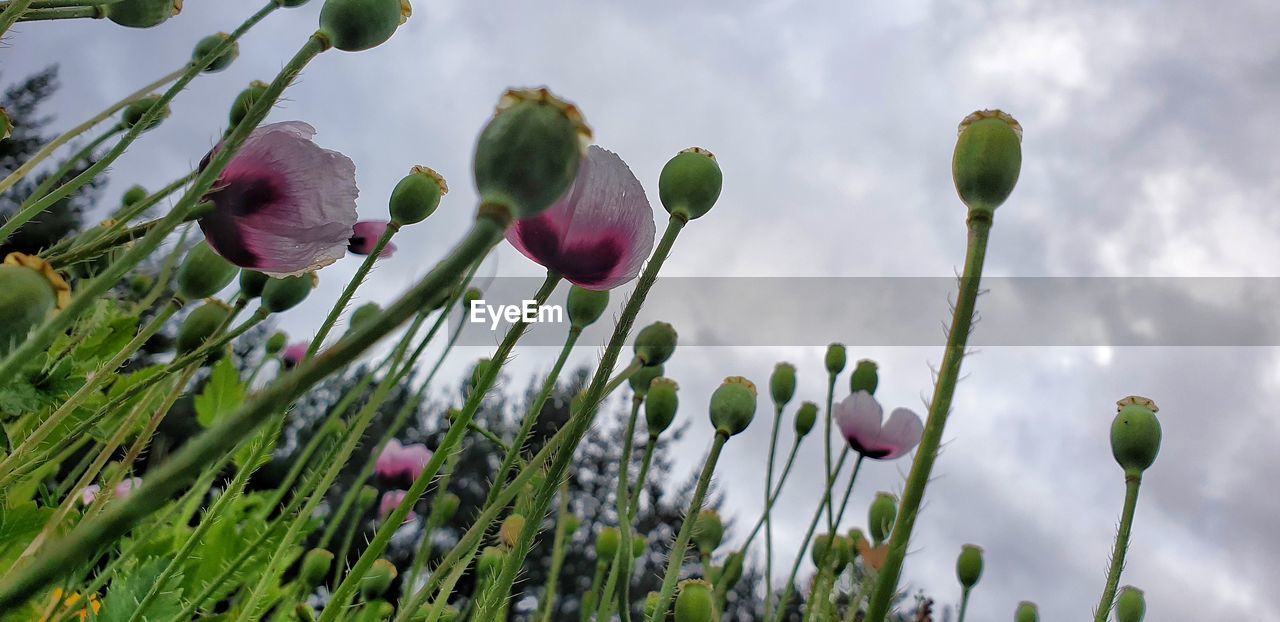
[283,205]
[391,500]
[861,420]
[599,233]
[366,236]
[294,354]
[398,460]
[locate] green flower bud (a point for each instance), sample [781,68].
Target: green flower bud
[364,314]
[449,504]
[478,371]
[355,25]
[650,604]
[836,358]
[987,159]
[203,273]
[607,543]
[1131,605]
[639,544]
[245,100]
[1026,612]
[528,154]
[690,183]
[205,46]
[661,404]
[134,194]
[588,607]
[708,531]
[655,343]
[694,602]
[142,13]
[806,416]
[843,548]
[821,548]
[291,3]
[585,306]
[30,290]
[857,539]
[732,571]
[276,342]
[782,384]
[969,565]
[733,405]
[490,561]
[865,377]
[134,112]
[471,295]
[1135,434]
[378,579]
[417,196]
[571,524]
[280,295]
[315,567]
[881,516]
[252,283]
[644,377]
[368,495]
[510,530]
[200,325]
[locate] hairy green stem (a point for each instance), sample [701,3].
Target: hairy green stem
[622,558]
[46,15]
[11,13]
[559,547]
[781,608]
[768,505]
[1132,481]
[345,297]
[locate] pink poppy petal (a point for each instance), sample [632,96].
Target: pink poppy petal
[89,493]
[901,433]
[415,458]
[859,417]
[365,237]
[294,354]
[390,501]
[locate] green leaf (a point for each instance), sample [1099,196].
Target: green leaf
[24,520]
[222,395]
[131,584]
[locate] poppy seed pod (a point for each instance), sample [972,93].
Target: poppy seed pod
[471,295]
[252,283]
[987,159]
[203,273]
[205,46]
[806,416]
[315,567]
[836,358]
[733,405]
[134,194]
[585,306]
[30,289]
[200,325]
[969,565]
[821,548]
[571,524]
[708,531]
[1135,434]
[510,530]
[142,13]
[134,112]
[417,196]
[490,562]
[245,100]
[1131,605]
[366,497]
[355,25]
[364,314]
[865,377]
[276,342]
[288,4]
[607,543]
[880,516]
[655,343]
[782,384]
[690,183]
[844,552]
[694,602]
[378,579]
[449,504]
[650,604]
[660,405]
[639,544]
[731,573]
[857,538]
[644,377]
[528,154]
[280,295]
[1026,612]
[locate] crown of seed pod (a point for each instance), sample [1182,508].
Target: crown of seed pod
[694,601]
[837,357]
[806,416]
[733,405]
[660,405]
[134,112]
[417,196]
[205,47]
[30,290]
[280,295]
[1135,434]
[203,273]
[355,25]
[987,159]
[655,343]
[1131,605]
[865,377]
[200,325]
[1026,612]
[607,543]
[585,306]
[690,183]
[969,565]
[881,516]
[708,531]
[315,567]
[782,384]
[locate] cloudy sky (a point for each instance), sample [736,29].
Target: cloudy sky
[1147,153]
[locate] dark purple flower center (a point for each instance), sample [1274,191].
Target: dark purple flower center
[583,263]
[240,197]
[875,453]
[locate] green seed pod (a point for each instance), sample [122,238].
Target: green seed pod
[585,306]
[511,529]
[782,384]
[30,290]
[252,283]
[203,273]
[355,25]
[661,404]
[881,516]
[969,565]
[245,100]
[644,377]
[276,342]
[478,371]
[315,567]
[821,548]
[806,416]
[131,196]
[733,405]
[471,295]
[1135,434]
[836,358]
[449,504]
[1026,612]
[655,343]
[364,314]
[1131,605]
[857,539]
[694,602]
[571,524]
[865,377]
[288,4]
[490,561]
[368,495]
[528,154]
[732,571]
[280,295]
[417,196]
[708,531]
[690,183]
[987,159]
[142,13]
[200,325]
[650,604]
[607,543]
[843,547]
[639,544]
[134,112]
[378,579]
[205,46]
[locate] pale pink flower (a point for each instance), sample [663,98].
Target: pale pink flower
[398,460]
[862,423]
[391,500]
[366,236]
[294,353]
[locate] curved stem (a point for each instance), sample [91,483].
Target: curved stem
[434,521]
[768,505]
[1132,481]
[622,557]
[356,280]
[826,445]
[642,477]
[46,15]
[8,16]
[964,603]
[781,609]
[57,176]
[848,489]
[558,551]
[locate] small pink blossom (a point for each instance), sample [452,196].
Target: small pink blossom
[293,354]
[391,500]
[366,236]
[122,490]
[862,423]
[89,493]
[398,460]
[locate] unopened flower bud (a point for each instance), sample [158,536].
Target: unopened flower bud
[733,405]
[511,529]
[655,343]
[694,602]
[478,371]
[836,358]
[806,416]
[134,112]
[142,13]
[987,159]
[276,342]
[30,289]
[644,377]
[865,377]
[708,531]
[449,504]
[571,524]
[252,283]
[367,496]
[200,325]
[822,544]
[1026,612]
[731,573]
[782,384]
[528,154]
[1131,605]
[969,565]
[1135,434]
[245,100]
[378,579]
[881,516]
[134,194]
[490,562]
[205,46]
[650,604]
[203,273]
[585,306]
[417,196]
[315,567]
[690,183]
[661,404]
[607,543]
[639,544]
[355,25]
[364,314]
[280,295]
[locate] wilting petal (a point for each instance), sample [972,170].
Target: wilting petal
[294,354]
[366,235]
[901,433]
[599,233]
[859,417]
[283,205]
